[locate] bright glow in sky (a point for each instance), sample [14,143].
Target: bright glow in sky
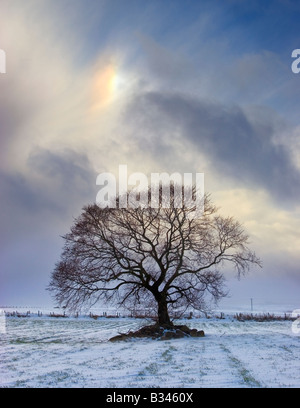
[173,86]
[106,86]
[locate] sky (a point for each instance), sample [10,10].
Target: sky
[161,86]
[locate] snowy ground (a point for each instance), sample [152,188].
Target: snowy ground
[70,352]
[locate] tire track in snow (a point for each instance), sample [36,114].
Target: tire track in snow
[244,375]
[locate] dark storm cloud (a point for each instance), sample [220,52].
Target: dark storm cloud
[52,182]
[70,171]
[238,145]
[54,187]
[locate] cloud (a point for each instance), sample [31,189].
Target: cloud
[166,65]
[54,187]
[67,175]
[238,144]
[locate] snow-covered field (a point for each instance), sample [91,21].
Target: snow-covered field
[75,352]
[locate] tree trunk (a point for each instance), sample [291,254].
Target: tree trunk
[163,315]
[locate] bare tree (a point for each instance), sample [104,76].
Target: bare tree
[147,256]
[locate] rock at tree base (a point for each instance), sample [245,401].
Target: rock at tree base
[181,331]
[162,333]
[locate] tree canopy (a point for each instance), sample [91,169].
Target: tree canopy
[161,257]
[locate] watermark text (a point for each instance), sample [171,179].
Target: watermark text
[2,322]
[2,62]
[296,63]
[165,190]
